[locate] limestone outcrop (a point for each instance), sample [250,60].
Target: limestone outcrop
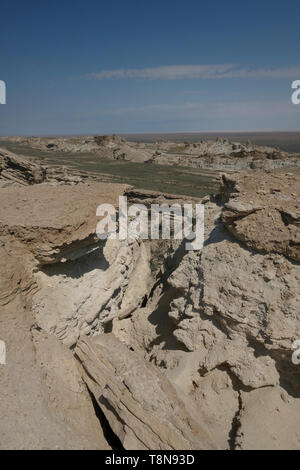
[15,169]
[142,344]
[264,211]
[139,402]
[44,402]
[222,322]
[53,221]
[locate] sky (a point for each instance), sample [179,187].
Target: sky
[99,67]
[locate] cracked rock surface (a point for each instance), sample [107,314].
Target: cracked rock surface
[138,400]
[221,324]
[104,345]
[264,211]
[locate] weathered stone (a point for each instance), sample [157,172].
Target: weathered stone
[270,222]
[140,404]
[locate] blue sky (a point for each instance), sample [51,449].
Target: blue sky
[74,67]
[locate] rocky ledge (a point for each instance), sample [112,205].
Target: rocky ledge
[264,211]
[108,349]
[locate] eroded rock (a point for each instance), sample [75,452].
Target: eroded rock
[263,211]
[140,404]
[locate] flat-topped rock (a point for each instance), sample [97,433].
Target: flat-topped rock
[263,210]
[52,220]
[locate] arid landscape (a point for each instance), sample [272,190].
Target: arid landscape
[149,230]
[140,344]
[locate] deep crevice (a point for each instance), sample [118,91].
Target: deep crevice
[109,435]
[235,425]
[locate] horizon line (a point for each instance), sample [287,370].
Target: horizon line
[158,133]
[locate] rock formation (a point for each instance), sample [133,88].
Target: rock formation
[221,323]
[14,169]
[44,402]
[142,344]
[264,212]
[137,399]
[220,154]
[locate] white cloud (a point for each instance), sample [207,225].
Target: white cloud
[172,72]
[167,72]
